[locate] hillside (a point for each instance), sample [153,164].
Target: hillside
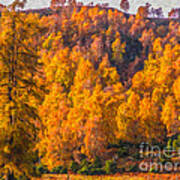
[85,89]
[116,73]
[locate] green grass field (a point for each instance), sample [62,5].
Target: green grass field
[113,177]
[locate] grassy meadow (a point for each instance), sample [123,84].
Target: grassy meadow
[138,176]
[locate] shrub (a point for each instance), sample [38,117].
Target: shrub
[113,146]
[176,143]
[173,141]
[57,169]
[84,162]
[97,171]
[84,170]
[153,170]
[121,170]
[85,167]
[136,155]
[122,152]
[110,167]
[74,167]
[163,159]
[97,163]
[41,169]
[169,143]
[23,178]
[64,170]
[133,168]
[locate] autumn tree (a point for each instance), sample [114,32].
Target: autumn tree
[156,103]
[53,112]
[127,122]
[59,70]
[101,126]
[124,5]
[57,3]
[87,53]
[143,12]
[87,108]
[19,91]
[174,13]
[2,7]
[118,48]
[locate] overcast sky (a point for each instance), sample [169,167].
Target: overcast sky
[167,5]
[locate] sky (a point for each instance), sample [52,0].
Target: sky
[167,5]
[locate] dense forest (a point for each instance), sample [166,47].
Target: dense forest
[81,84]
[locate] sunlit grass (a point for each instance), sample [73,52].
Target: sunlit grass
[113,177]
[80,177]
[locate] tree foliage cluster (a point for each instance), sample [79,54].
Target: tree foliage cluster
[73,82]
[110,77]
